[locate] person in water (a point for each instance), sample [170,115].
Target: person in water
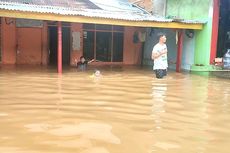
[82,64]
[159,56]
[96,74]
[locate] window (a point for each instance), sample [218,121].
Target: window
[103,46]
[103,27]
[103,42]
[118,47]
[89,26]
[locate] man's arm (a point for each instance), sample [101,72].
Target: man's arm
[156,55]
[92,60]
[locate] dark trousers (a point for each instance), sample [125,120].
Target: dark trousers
[160,73]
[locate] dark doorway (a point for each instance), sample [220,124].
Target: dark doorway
[103,46]
[65,45]
[88,45]
[224,28]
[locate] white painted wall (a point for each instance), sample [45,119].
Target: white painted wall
[188,52]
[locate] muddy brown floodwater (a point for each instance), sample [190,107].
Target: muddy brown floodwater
[126,110]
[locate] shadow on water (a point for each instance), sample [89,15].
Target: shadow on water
[221,74]
[204,74]
[217,74]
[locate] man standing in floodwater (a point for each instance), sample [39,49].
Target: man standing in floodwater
[159,56]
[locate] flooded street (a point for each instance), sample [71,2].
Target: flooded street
[126,110]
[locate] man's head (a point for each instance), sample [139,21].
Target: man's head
[162,37]
[97,73]
[82,59]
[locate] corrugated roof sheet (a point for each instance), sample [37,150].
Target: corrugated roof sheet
[81,8]
[83,4]
[116,5]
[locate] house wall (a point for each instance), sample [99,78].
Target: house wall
[29,46]
[189,9]
[76,54]
[197,10]
[8,42]
[195,50]
[132,51]
[152,39]
[203,44]
[188,52]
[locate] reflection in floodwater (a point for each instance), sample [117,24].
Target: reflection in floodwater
[158,93]
[126,110]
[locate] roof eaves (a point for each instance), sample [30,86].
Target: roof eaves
[97,13]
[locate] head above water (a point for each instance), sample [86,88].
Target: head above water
[161,37]
[82,59]
[97,73]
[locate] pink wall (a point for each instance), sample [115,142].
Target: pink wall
[8,41]
[131,55]
[76,54]
[132,51]
[29,46]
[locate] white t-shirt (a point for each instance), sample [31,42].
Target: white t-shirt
[160,62]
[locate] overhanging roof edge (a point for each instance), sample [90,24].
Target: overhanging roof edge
[97,20]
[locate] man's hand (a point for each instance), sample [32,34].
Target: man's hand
[157,55]
[164,51]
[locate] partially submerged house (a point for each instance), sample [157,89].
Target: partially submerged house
[202,47]
[60,31]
